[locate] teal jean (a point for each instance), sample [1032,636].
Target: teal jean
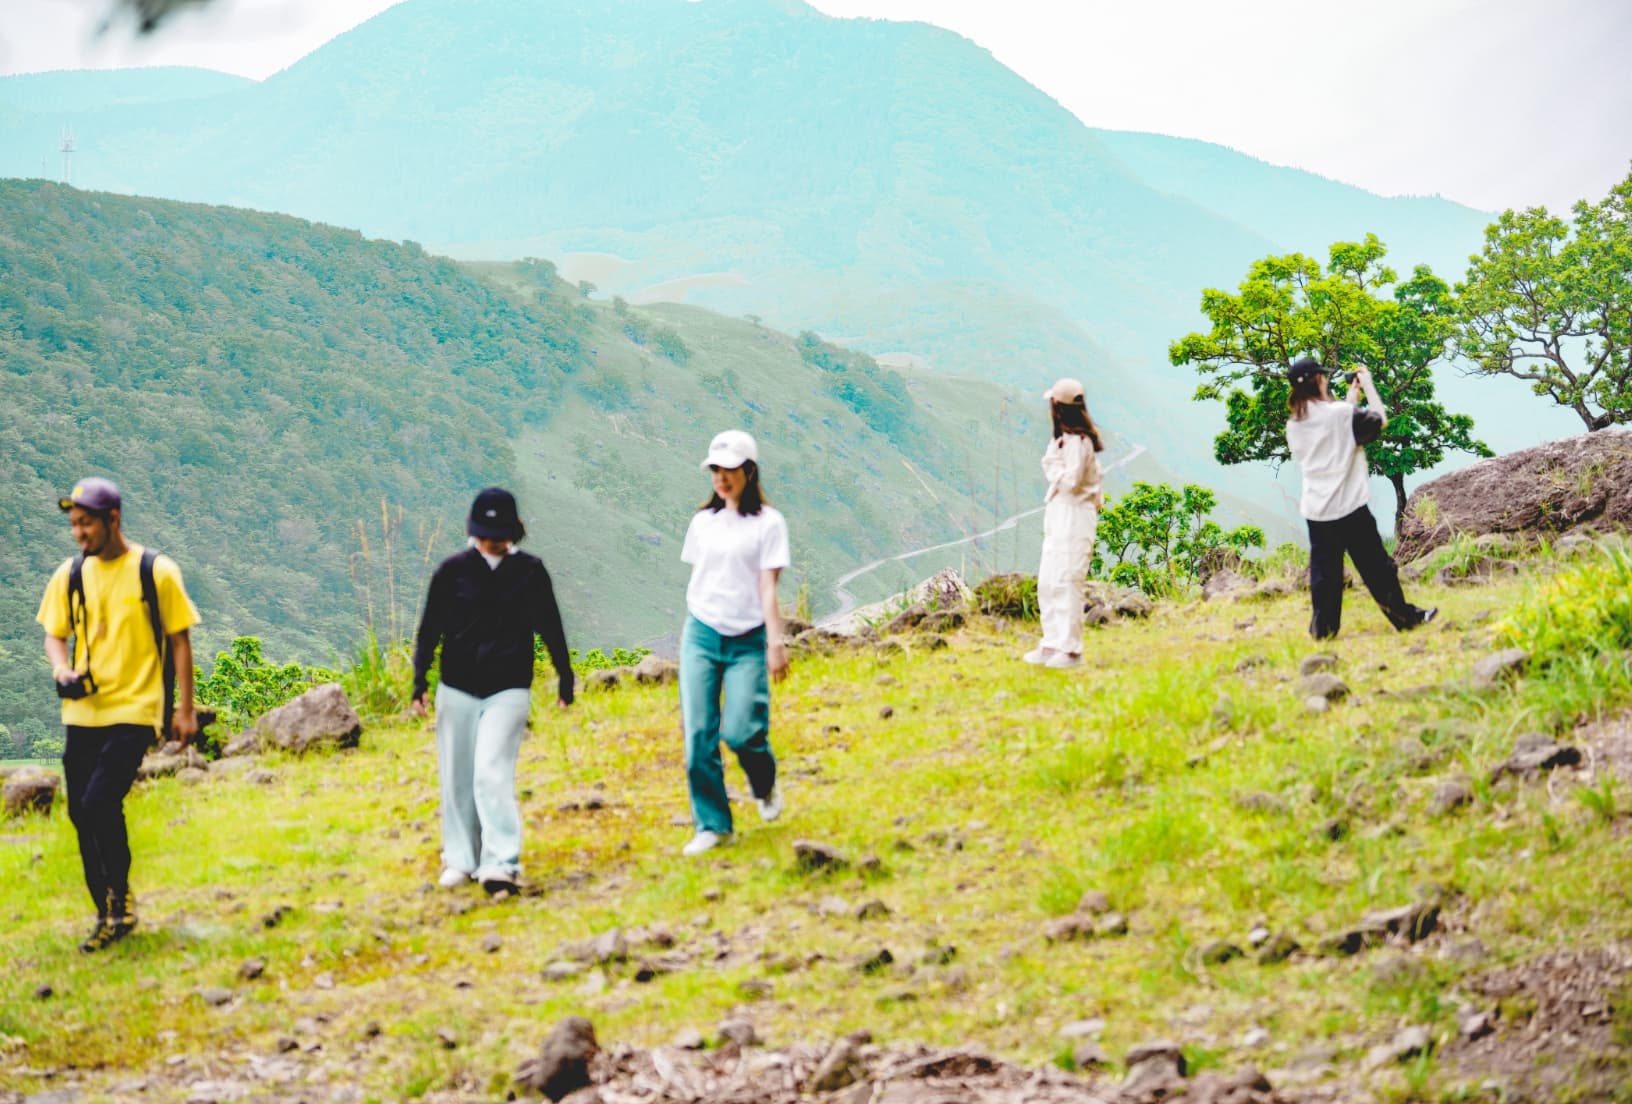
[725,694]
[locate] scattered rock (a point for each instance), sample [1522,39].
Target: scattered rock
[1451,795]
[654,670]
[1111,924]
[491,943]
[1090,1056]
[1218,952]
[260,776]
[690,1039]
[1410,1042]
[1251,662]
[245,743]
[944,621]
[609,946]
[1225,584]
[252,968]
[1277,948]
[739,1031]
[1475,1023]
[29,790]
[1223,712]
[562,1065]
[603,679]
[1505,664]
[1323,684]
[842,1066]
[1065,929]
[1091,1028]
[44,992]
[215,996]
[1160,1053]
[886,712]
[1534,752]
[1314,664]
[875,962]
[1314,703]
[1094,901]
[872,910]
[811,857]
[320,719]
[932,642]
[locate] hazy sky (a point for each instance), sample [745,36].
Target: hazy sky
[1495,103]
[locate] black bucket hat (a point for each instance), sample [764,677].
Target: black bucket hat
[493,516]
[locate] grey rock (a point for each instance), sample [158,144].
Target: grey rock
[192,776]
[690,1039]
[491,943]
[1410,1042]
[562,1065]
[1091,1028]
[320,719]
[29,790]
[907,620]
[252,968]
[812,857]
[1475,1023]
[886,712]
[1497,668]
[872,910]
[604,679]
[1323,684]
[839,1067]
[1090,1056]
[1223,712]
[656,671]
[1413,923]
[932,642]
[1218,952]
[1111,924]
[876,962]
[563,970]
[1277,948]
[943,622]
[1314,664]
[215,996]
[44,992]
[1159,1052]
[739,1031]
[1534,752]
[609,946]
[1451,795]
[245,743]
[1066,929]
[1094,901]
[1251,662]
[755,989]
[261,776]
[1314,703]
[1225,584]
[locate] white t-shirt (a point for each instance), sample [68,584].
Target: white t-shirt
[727,551]
[1333,463]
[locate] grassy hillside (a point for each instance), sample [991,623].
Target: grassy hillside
[1179,773]
[301,416]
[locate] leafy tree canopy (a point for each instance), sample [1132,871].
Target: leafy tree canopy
[1346,317]
[1550,302]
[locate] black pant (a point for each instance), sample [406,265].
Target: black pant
[99,766]
[1357,535]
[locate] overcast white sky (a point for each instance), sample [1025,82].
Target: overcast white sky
[1496,103]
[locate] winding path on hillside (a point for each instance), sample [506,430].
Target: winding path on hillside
[847,600]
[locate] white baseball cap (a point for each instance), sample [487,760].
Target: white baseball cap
[731,449]
[1065,390]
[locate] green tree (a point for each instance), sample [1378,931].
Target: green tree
[1344,316]
[1550,302]
[1155,536]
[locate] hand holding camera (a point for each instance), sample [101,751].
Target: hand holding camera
[71,685]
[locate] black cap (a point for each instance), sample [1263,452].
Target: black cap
[493,516]
[1303,368]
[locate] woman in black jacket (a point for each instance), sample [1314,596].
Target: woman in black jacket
[484,608]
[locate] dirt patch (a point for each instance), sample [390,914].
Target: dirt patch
[1563,1029]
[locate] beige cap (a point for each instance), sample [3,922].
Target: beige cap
[1065,390]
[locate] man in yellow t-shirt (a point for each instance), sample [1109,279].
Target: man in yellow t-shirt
[112,685]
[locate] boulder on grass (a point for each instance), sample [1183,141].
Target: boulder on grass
[321,719]
[29,790]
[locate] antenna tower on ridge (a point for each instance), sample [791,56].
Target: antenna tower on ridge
[67,155]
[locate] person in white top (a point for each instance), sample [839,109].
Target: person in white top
[737,546]
[1327,438]
[1071,509]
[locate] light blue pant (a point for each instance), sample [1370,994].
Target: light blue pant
[476,744]
[733,667]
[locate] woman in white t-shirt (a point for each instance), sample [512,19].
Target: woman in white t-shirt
[1327,438]
[737,546]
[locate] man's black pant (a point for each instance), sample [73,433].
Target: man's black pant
[1357,535]
[99,766]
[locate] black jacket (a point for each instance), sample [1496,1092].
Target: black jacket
[485,619]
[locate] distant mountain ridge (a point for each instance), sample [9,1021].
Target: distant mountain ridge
[887,182]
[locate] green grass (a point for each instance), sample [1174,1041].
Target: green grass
[993,797]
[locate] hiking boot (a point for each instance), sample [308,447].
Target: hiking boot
[770,806]
[1429,614]
[122,919]
[452,879]
[98,938]
[496,880]
[705,841]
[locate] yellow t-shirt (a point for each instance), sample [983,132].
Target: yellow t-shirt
[129,676]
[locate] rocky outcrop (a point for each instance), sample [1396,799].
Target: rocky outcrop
[29,790]
[320,719]
[1550,489]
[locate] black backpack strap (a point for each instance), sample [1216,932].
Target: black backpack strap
[161,642]
[79,624]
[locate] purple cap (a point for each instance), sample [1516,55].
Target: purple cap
[92,494]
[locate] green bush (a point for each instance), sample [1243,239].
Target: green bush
[1008,596]
[244,684]
[1586,610]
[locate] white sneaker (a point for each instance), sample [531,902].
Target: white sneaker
[1037,657]
[770,806]
[705,841]
[1062,659]
[452,879]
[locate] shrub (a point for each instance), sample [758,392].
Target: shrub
[1584,610]
[244,684]
[1008,596]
